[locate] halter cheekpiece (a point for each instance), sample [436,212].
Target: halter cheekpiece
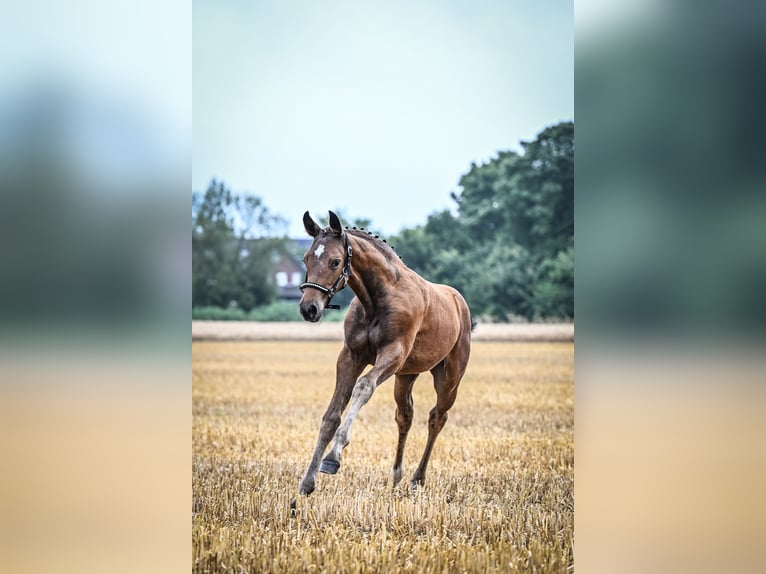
[344,274]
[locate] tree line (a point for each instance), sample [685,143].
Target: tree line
[508,245]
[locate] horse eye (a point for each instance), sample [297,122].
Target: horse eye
[334,263]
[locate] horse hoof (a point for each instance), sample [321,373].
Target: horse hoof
[293,507]
[329,466]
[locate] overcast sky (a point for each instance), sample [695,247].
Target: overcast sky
[375,108]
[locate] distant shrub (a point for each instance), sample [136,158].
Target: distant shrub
[218,314]
[278,311]
[289,311]
[334,316]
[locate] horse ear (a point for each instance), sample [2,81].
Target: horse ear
[335,224]
[311,226]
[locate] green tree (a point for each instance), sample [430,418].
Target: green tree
[233,243]
[527,197]
[510,249]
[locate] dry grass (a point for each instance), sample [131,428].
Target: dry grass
[498,496]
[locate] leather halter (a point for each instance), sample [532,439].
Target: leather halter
[334,288]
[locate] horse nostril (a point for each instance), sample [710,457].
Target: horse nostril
[311,311]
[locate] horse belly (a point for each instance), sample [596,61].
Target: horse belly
[415,365]
[426,353]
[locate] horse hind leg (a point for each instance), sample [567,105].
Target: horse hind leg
[447,376]
[436,421]
[403,397]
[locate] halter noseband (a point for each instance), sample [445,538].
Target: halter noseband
[344,274]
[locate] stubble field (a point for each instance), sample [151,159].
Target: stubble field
[499,489]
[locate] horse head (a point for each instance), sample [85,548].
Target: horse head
[328,266]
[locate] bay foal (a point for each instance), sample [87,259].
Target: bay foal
[398,322]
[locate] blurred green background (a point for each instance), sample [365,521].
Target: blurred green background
[671,178]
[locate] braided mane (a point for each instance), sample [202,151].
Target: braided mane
[373,238]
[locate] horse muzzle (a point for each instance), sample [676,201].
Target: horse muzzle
[311,311]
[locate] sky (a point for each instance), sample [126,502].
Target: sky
[373,108]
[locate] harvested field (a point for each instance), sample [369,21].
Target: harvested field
[498,496]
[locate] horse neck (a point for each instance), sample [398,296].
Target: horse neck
[375,273]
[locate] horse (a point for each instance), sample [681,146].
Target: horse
[398,322]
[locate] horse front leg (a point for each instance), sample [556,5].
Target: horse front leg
[388,361]
[348,369]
